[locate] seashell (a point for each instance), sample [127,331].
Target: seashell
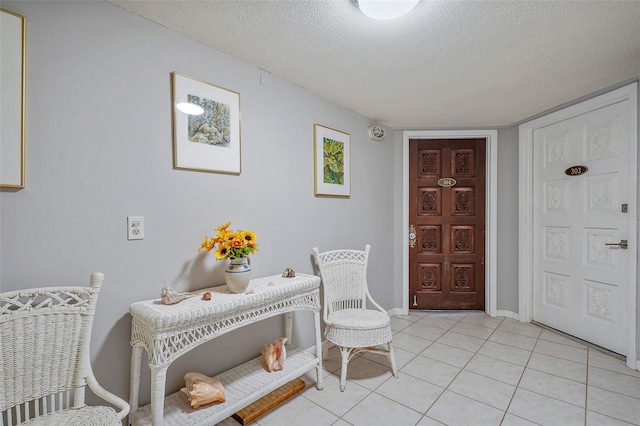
[206,295]
[169,296]
[289,273]
[274,354]
[202,390]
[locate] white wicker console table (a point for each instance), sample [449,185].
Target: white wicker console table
[167,332]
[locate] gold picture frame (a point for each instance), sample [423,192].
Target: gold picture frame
[12,57]
[206,126]
[332,162]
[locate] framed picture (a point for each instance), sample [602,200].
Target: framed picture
[332,162]
[206,126]
[12,34]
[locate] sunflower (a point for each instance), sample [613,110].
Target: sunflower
[205,244]
[230,244]
[222,252]
[249,237]
[223,227]
[236,242]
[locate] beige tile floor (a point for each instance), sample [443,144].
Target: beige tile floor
[470,369]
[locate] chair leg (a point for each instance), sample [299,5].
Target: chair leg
[325,350]
[343,372]
[392,360]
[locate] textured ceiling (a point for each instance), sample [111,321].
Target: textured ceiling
[447,64]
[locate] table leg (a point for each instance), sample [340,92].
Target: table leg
[316,324]
[158,380]
[134,384]
[288,325]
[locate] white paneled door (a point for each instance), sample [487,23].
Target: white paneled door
[581,197]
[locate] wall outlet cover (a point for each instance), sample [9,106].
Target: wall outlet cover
[135,227]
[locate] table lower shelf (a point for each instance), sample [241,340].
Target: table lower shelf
[243,385]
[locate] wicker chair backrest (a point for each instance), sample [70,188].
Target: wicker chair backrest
[44,342]
[344,278]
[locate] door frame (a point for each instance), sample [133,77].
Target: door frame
[491,208]
[525,218]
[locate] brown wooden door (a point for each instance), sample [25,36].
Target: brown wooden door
[446,262]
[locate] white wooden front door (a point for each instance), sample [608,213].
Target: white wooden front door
[580,283]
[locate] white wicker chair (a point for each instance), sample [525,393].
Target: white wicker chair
[349,324]
[44,358]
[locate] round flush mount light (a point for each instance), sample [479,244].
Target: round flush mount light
[386,9]
[189,108]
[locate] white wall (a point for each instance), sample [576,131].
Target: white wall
[507,285]
[99,148]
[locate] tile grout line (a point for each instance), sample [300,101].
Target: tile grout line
[605,389]
[416,355]
[590,357]
[506,411]
[474,353]
[422,415]
[443,389]
[586,389]
[461,369]
[373,391]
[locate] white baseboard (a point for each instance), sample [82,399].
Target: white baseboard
[508,314]
[311,349]
[499,313]
[324,343]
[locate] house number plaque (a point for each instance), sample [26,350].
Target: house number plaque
[446,182]
[576,170]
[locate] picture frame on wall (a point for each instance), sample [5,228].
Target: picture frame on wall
[332,162]
[12,99]
[206,126]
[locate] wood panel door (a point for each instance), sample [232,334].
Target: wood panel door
[447,218]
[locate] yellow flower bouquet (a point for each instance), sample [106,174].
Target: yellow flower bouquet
[230,244]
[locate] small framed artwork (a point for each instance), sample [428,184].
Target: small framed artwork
[206,126]
[332,162]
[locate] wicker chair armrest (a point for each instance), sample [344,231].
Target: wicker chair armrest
[325,315]
[122,405]
[375,304]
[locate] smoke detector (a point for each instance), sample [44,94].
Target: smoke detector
[376,133]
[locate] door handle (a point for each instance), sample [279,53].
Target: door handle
[412,236]
[623,244]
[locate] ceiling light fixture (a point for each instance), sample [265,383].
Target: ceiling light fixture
[189,108]
[386,9]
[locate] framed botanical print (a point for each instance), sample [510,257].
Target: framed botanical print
[206,126]
[332,162]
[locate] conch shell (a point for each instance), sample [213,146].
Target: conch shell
[274,354]
[203,390]
[169,296]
